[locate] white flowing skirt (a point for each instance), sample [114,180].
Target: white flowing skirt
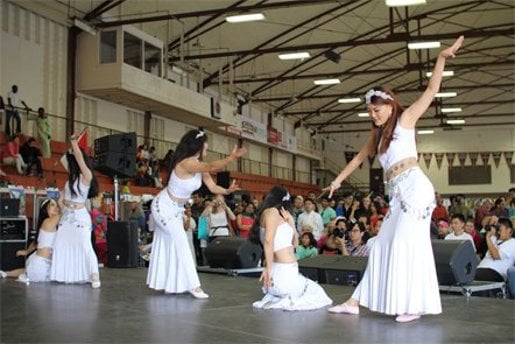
[400,277]
[171,267]
[73,257]
[38,268]
[291,291]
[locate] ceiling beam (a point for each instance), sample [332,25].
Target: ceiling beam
[223,10]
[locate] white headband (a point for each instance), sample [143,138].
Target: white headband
[376,93]
[286,197]
[200,134]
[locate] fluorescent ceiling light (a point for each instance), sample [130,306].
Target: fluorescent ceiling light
[349,100]
[245,18]
[363,114]
[448,110]
[426,132]
[445,94]
[327,82]
[423,45]
[444,73]
[393,3]
[455,121]
[295,56]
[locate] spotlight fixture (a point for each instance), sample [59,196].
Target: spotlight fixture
[295,56]
[245,18]
[423,45]
[444,73]
[426,132]
[363,114]
[445,94]
[449,110]
[395,3]
[327,81]
[333,56]
[349,100]
[455,121]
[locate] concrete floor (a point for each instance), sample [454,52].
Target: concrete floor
[125,310]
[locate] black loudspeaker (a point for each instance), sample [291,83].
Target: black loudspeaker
[8,259]
[233,253]
[115,163]
[334,269]
[122,244]
[376,180]
[120,143]
[223,179]
[456,261]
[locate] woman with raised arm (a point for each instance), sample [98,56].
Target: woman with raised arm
[400,278]
[284,286]
[172,268]
[74,260]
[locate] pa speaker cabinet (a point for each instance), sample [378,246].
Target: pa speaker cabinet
[118,143]
[233,253]
[122,244]
[116,163]
[8,259]
[334,269]
[456,261]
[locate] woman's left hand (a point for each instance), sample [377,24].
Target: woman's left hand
[451,51]
[234,187]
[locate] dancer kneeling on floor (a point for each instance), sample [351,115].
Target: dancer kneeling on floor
[74,260]
[37,268]
[172,267]
[284,286]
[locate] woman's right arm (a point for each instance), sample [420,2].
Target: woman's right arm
[193,165]
[77,153]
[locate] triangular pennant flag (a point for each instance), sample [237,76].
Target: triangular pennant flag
[497,158]
[484,157]
[439,159]
[371,160]
[349,156]
[508,156]
[450,158]
[473,158]
[462,157]
[427,158]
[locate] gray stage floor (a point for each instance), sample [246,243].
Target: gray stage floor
[125,310]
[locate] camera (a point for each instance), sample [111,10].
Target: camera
[488,228]
[337,232]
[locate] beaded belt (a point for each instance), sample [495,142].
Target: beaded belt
[73,205]
[400,167]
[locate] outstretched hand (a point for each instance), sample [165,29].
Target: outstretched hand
[233,187]
[238,152]
[451,51]
[331,188]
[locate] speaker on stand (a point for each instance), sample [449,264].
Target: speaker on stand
[122,244]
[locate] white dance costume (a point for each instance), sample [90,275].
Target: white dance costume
[401,276]
[73,259]
[290,290]
[172,267]
[38,267]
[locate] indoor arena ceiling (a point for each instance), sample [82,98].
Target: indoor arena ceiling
[362,43]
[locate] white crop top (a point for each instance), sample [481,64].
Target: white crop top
[46,239]
[81,192]
[183,188]
[283,236]
[401,147]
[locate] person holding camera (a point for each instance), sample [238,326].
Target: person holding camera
[219,217]
[354,246]
[501,252]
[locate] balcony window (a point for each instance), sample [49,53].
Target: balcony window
[132,50]
[152,59]
[108,47]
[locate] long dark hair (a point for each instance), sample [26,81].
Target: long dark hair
[42,216]
[277,197]
[191,143]
[386,131]
[74,173]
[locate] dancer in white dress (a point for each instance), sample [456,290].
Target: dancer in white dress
[284,286]
[172,267]
[74,260]
[400,278]
[37,267]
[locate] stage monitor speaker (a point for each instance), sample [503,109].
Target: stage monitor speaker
[233,253]
[122,244]
[456,261]
[8,259]
[223,179]
[120,143]
[376,180]
[116,163]
[334,269]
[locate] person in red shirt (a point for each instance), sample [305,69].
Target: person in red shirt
[440,212]
[11,155]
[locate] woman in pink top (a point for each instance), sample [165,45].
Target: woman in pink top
[11,154]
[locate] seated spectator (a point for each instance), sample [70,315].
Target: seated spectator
[440,212]
[31,156]
[307,247]
[328,214]
[142,177]
[167,160]
[458,230]
[374,232]
[331,241]
[499,208]
[500,255]
[99,221]
[136,213]
[443,229]
[245,220]
[355,246]
[11,155]
[152,157]
[471,230]
[310,219]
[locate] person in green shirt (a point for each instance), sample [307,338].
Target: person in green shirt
[308,247]
[44,127]
[327,212]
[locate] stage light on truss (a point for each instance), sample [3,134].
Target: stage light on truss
[449,110]
[395,3]
[363,114]
[327,81]
[349,100]
[423,45]
[245,18]
[445,94]
[295,56]
[426,132]
[444,73]
[455,121]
